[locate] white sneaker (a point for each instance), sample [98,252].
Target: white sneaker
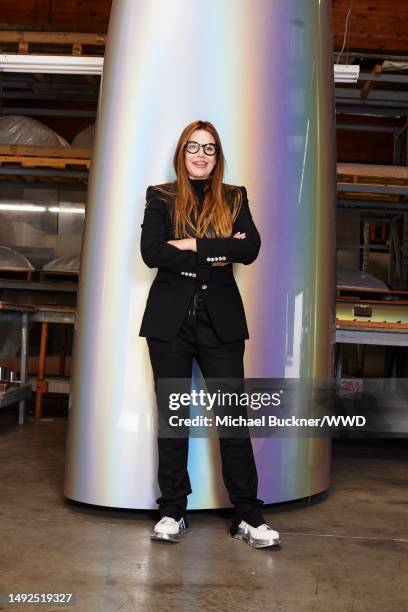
[258,537]
[169,529]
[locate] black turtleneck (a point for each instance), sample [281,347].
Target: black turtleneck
[198,186]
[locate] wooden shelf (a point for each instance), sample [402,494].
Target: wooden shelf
[372,176]
[29,156]
[39,43]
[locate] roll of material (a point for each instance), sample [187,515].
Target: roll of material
[262,73]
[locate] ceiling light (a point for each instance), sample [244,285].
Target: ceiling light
[66,209]
[346,73]
[53,64]
[23,207]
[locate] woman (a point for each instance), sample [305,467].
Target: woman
[192,231]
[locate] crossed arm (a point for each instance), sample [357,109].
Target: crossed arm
[195,254]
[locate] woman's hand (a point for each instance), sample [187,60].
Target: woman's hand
[227,263]
[184,244]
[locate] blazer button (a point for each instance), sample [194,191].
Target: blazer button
[194,274]
[203,286]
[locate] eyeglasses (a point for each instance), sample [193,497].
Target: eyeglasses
[193,147]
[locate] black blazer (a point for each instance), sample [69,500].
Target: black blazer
[180,271]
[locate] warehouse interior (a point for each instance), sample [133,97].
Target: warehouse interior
[344,549]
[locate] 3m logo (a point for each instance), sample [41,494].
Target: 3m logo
[351,385]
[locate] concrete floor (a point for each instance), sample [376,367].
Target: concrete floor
[347,550]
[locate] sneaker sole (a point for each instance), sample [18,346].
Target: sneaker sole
[171,538]
[257,543]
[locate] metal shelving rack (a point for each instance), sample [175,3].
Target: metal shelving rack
[370,183]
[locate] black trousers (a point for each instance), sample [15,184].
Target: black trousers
[174,359]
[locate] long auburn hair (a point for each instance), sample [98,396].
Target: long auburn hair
[217,215]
